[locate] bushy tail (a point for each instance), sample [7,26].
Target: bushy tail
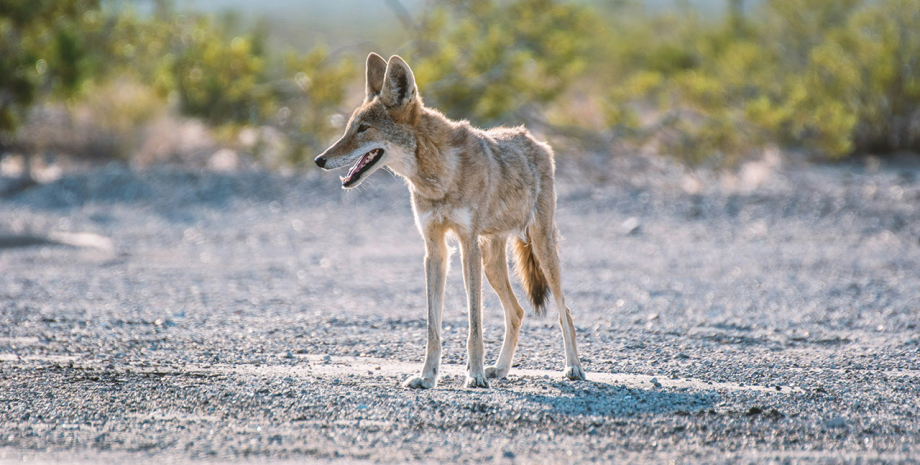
[528,269]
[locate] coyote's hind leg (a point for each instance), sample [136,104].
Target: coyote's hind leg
[495,263]
[543,236]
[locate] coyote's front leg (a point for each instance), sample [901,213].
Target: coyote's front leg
[435,273]
[472,277]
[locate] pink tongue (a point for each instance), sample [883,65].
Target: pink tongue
[357,167]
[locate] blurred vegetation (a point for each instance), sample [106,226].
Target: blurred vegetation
[835,77]
[41,52]
[484,60]
[80,52]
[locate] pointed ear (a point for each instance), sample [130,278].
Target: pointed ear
[398,84]
[376,68]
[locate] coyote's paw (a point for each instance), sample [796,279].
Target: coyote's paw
[496,371]
[477,381]
[574,373]
[419,382]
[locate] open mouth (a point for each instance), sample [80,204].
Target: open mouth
[365,163]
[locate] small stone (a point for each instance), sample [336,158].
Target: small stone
[327,358]
[224,160]
[754,411]
[630,226]
[508,454]
[775,414]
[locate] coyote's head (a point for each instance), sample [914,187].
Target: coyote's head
[382,130]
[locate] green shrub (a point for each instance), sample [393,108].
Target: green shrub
[484,60]
[319,88]
[219,79]
[832,76]
[865,80]
[212,72]
[42,52]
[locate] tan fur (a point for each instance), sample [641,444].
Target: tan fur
[528,268]
[483,186]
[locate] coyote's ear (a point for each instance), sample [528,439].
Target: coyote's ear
[376,68]
[398,84]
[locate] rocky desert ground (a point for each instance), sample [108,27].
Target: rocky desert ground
[179,316]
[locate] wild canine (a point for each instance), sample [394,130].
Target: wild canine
[484,186]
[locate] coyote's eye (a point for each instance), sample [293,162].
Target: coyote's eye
[363,127]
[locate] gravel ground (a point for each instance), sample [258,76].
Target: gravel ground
[253,316]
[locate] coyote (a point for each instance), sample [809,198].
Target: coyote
[484,187]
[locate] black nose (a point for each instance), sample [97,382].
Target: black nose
[320,161]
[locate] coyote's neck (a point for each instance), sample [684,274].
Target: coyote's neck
[435,168]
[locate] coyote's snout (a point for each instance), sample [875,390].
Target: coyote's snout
[483,186]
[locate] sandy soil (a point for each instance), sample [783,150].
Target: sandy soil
[182,316]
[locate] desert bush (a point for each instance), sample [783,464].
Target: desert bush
[41,53]
[864,81]
[836,77]
[217,78]
[484,60]
[310,114]
[204,65]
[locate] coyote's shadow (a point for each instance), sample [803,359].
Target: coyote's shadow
[591,398]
